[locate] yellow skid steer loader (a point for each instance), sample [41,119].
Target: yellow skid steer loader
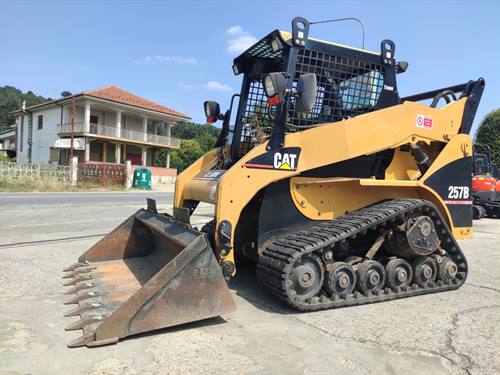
[342,192]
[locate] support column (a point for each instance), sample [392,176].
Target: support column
[73,167]
[128,174]
[118,153]
[169,132]
[104,152]
[144,158]
[167,158]
[87,150]
[118,124]
[86,117]
[145,128]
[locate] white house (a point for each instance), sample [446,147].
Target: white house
[103,125]
[8,141]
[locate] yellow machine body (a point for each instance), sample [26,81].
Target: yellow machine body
[326,199]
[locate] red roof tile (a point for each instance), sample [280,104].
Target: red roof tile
[119,95]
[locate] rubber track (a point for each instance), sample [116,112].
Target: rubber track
[279,256]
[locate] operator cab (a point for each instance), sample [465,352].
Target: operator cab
[349,82]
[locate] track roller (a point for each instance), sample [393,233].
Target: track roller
[371,276]
[306,276]
[447,269]
[398,273]
[340,279]
[424,271]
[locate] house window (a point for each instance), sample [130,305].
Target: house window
[40,122]
[94,119]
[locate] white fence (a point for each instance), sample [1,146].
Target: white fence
[15,170]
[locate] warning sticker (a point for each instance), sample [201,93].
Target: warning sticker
[424,122]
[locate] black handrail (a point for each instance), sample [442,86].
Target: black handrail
[433,93]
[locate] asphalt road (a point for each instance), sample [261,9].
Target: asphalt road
[24,200]
[61,216]
[455,332]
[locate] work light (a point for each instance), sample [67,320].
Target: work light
[212,111]
[275,87]
[276,45]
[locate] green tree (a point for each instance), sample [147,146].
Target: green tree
[197,139]
[489,133]
[11,99]
[187,154]
[65,94]
[206,142]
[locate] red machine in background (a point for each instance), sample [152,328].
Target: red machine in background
[485,184]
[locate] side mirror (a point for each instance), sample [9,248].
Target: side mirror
[212,111]
[307,87]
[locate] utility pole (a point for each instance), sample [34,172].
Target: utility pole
[72,125]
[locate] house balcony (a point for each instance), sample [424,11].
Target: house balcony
[116,134]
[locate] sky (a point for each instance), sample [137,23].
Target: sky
[180,53]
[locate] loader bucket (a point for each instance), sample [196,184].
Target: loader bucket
[150,272]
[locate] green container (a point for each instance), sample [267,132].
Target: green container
[142,178]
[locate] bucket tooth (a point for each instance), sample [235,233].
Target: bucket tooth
[79,287]
[83,308]
[77,272]
[81,297]
[75,266]
[82,341]
[78,279]
[79,324]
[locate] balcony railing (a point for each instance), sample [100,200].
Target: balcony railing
[109,131]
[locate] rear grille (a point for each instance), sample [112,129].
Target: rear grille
[346,87]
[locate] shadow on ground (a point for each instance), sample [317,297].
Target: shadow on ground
[245,285]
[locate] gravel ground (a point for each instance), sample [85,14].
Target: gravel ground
[448,333]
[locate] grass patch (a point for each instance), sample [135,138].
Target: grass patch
[49,184]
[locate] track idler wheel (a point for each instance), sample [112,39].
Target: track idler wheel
[307,276]
[447,269]
[340,279]
[424,271]
[398,273]
[371,276]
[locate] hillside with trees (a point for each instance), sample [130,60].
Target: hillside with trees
[196,139]
[489,133]
[11,99]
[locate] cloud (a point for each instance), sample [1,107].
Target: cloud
[210,85]
[240,44]
[240,39]
[166,59]
[235,30]
[214,85]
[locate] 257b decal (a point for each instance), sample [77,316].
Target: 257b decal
[458,195]
[458,192]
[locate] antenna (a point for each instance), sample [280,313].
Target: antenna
[345,19]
